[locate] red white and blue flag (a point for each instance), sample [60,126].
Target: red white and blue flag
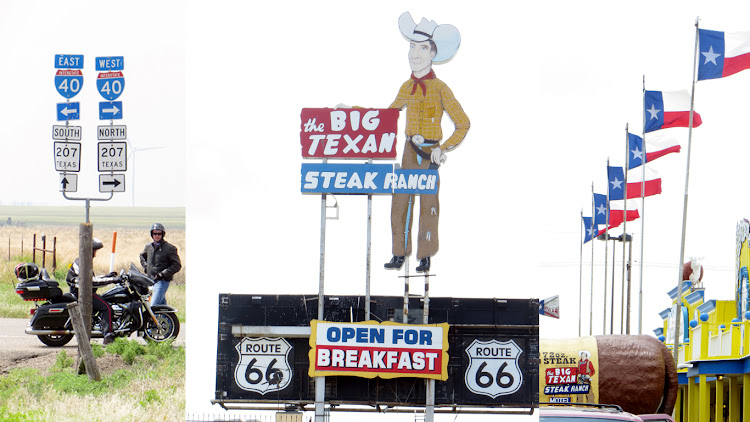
[666,109]
[635,149]
[616,183]
[601,208]
[722,54]
[616,217]
[639,189]
[590,230]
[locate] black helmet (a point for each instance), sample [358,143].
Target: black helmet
[27,271]
[96,244]
[158,226]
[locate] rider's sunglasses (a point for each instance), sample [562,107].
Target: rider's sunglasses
[157,234]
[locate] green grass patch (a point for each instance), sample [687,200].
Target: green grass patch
[154,379]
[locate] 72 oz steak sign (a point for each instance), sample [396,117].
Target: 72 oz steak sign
[493,368]
[264,365]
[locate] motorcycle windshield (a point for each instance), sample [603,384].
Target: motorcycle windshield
[139,279]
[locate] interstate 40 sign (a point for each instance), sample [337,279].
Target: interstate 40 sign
[481,352]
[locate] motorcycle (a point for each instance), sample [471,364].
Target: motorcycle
[130,300]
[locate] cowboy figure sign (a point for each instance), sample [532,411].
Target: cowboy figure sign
[425,98]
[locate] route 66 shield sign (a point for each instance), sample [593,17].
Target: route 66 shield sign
[493,368]
[263,365]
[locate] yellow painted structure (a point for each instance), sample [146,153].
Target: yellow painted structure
[714,353]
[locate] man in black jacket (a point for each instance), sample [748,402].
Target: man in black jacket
[160,261]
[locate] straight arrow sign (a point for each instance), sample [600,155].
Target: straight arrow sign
[68,182]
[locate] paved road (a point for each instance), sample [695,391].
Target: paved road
[16,345]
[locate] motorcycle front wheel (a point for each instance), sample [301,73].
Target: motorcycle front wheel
[168,327]
[55,340]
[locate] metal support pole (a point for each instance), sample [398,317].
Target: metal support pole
[405,318]
[630,272]
[320,382]
[612,307]
[429,411]
[369,254]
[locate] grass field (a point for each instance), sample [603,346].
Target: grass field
[100,216]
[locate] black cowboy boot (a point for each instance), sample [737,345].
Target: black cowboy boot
[424,265]
[395,263]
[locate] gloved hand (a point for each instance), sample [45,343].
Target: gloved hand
[159,276]
[112,274]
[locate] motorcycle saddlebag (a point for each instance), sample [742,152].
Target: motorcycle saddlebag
[38,290]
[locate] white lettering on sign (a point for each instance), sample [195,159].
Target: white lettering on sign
[110,62]
[331,143]
[374,349]
[413,181]
[369,122]
[68,61]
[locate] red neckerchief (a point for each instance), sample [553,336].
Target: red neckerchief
[420,82]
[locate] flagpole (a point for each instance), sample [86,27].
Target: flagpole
[606,251]
[593,224]
[643,210]
[580,274]
[624,230]
[678,312]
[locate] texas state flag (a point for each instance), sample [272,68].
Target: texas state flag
[601,208]
[665,109]
[591,231]
[616,179]
[722,53]
[652,152]
[638,187]
[616,217]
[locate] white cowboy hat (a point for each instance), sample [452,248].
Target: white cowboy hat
[446,37]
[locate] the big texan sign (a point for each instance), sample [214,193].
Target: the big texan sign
[387,350]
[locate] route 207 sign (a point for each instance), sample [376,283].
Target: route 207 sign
[263,365]
[493,368]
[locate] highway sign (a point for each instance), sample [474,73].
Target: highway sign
[68,111]
[115,132]
[110,110]
[112,156]
[67,156]
[68,82]
[68,182]
[66,133]
[68,61]
[110,63]
[111,183]
[110,85]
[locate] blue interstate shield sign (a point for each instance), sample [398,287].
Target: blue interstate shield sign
[110,85]
[68,82]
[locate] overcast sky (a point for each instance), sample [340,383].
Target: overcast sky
[549,88]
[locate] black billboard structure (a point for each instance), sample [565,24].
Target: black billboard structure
[264,346]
